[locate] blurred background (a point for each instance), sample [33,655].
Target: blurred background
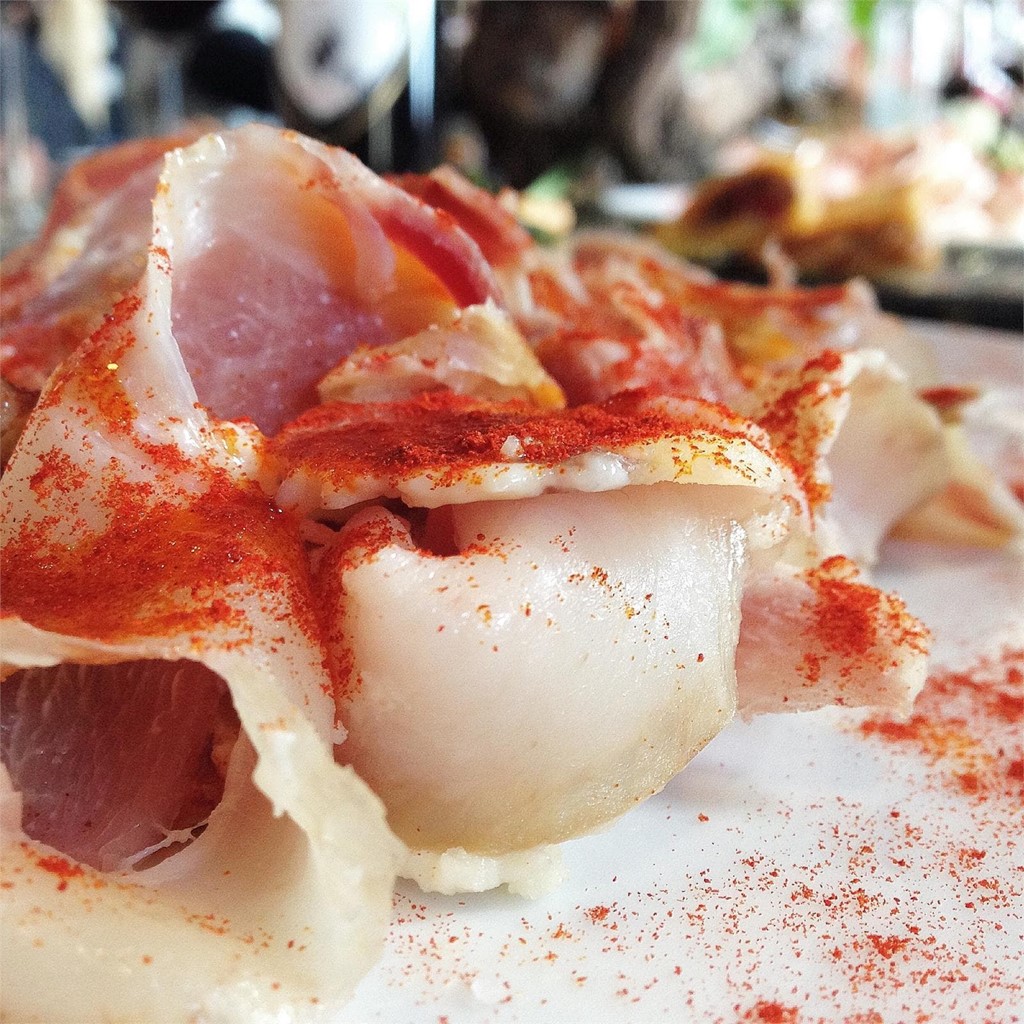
[596,108]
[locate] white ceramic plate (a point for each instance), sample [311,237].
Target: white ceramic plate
[802,868]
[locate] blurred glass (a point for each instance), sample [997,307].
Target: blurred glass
[913,46]
[159,32]
[24,176]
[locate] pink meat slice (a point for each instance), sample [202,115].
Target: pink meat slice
[134,532]
[115,761]
[286,256]
[55,290]
[502,239]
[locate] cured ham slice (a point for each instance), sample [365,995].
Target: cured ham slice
[55,290]
[596,342]
[610,311]
[446,449]
[502,239]
[543,631]
[793,359]
[289,257]
[532,761]
[619,333]
[813,633]
[515,621]
[76,739]
[772,327]
[938,489]
[832,418]
[178,843]
[535,617]
[624,336]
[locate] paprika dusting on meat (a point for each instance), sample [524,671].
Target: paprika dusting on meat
[847,611]
[451,436]
[847,617]
[63,868]
[92,371]
[760,324]
[151,552]
[796,436]
[90,385]
[129,578]
[618,337]
[59,472]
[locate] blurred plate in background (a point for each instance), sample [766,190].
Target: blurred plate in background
[976,283]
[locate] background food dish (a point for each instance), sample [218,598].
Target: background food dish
[973,282]
[836,876]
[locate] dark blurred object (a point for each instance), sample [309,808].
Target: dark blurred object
[24,167]
[58,86]
[157,39]
[665,119]
[229,67]
[975,284]
[187,59]
[166,17]
[547,80]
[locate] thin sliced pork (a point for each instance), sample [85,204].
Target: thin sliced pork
[55,291]
[948,496]
[822,636]
[832,418]
[793,359]
[289,257]
[773,325]
[179,843]
[519,622]
[114,763]
[534,617]
[502,239]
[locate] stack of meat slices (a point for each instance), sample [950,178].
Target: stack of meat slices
[312,575]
